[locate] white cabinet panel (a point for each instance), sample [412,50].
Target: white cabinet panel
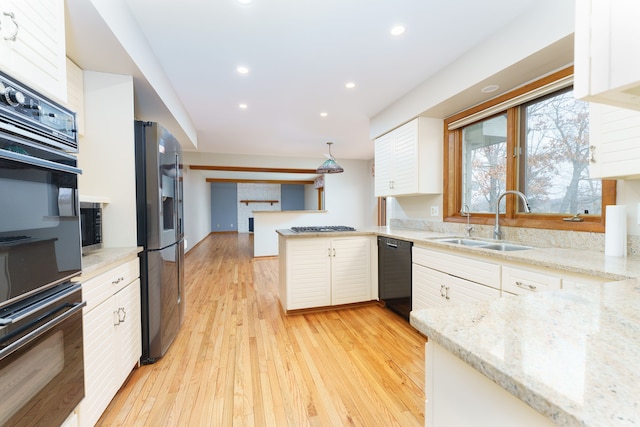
[308,273]
[408,160]
[36,55]
[467,268]
[350,270]
[606,34]
[613,135]
[432,288]
[523,281]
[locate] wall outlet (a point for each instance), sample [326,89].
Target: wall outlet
[434,211]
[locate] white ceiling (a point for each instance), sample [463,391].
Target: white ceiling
[300,54]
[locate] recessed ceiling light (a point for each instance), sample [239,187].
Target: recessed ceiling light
[490,88]
[397,30]
[323,114]
[242,69]
[350,85]
[243,106]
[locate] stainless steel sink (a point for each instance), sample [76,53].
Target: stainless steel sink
[465,242]
[483,244]
[505,247]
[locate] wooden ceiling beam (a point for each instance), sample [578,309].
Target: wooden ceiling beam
[257,181]
[250,169]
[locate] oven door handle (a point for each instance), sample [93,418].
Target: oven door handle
[34,308]
[29,160]
[17,344]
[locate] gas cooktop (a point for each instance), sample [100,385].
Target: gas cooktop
[321,228]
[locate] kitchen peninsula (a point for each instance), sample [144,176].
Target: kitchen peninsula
[567,357]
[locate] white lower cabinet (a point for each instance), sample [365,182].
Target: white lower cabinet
[112,336]
[458,395]
[440,278]
[520,281]
[318,272]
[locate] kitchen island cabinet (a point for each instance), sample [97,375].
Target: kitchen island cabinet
[326,271]
[32,44]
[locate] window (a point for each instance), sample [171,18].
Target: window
[535,140]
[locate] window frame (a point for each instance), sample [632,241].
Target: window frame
[452,190]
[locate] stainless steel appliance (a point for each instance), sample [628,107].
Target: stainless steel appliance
[394,274]
[160,232]
[91,226]
[41,357]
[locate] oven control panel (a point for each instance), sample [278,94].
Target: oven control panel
[30,114]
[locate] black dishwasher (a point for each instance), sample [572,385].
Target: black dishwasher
[394,274]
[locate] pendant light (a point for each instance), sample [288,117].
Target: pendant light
[330,165]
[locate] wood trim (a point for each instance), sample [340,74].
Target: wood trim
[251,169]
[382,211]
[258,181]
[271,202]
[512,94]
[452,190]
[331,308]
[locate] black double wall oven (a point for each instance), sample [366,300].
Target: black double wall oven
[41,354]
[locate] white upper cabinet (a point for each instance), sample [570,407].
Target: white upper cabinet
[408,160]
[32,44]
[607,42]
[613,137]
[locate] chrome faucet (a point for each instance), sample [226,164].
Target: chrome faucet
[497,234]
[465,212]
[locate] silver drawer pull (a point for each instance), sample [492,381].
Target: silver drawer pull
[118,280]
[526,286]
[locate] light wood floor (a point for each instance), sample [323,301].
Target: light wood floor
[239,361]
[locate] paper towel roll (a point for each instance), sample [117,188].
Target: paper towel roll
[615,235]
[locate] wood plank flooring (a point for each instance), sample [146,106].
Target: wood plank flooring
[239,361]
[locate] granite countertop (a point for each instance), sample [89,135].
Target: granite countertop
[102,259]
[573,355]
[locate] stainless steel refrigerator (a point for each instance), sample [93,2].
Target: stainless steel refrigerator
[160,232]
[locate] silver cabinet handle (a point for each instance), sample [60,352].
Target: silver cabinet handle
[526,286]
[120,315]
[442,291]
[329,252]
[12,37]
[592,157]
[334,252]
[447,292]
[118,280]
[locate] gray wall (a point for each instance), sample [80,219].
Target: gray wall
[224,206]
[292,197]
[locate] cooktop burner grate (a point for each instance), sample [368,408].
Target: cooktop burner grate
[322,228]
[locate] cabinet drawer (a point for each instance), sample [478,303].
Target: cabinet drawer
[99,288]
[471,269]
[520,281]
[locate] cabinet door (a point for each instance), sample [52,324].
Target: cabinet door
[100,363]
[308,273]
[350,270]
[384,166]
[427,287]
[128,333]
[37,55]
[613,137]
[405,146]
